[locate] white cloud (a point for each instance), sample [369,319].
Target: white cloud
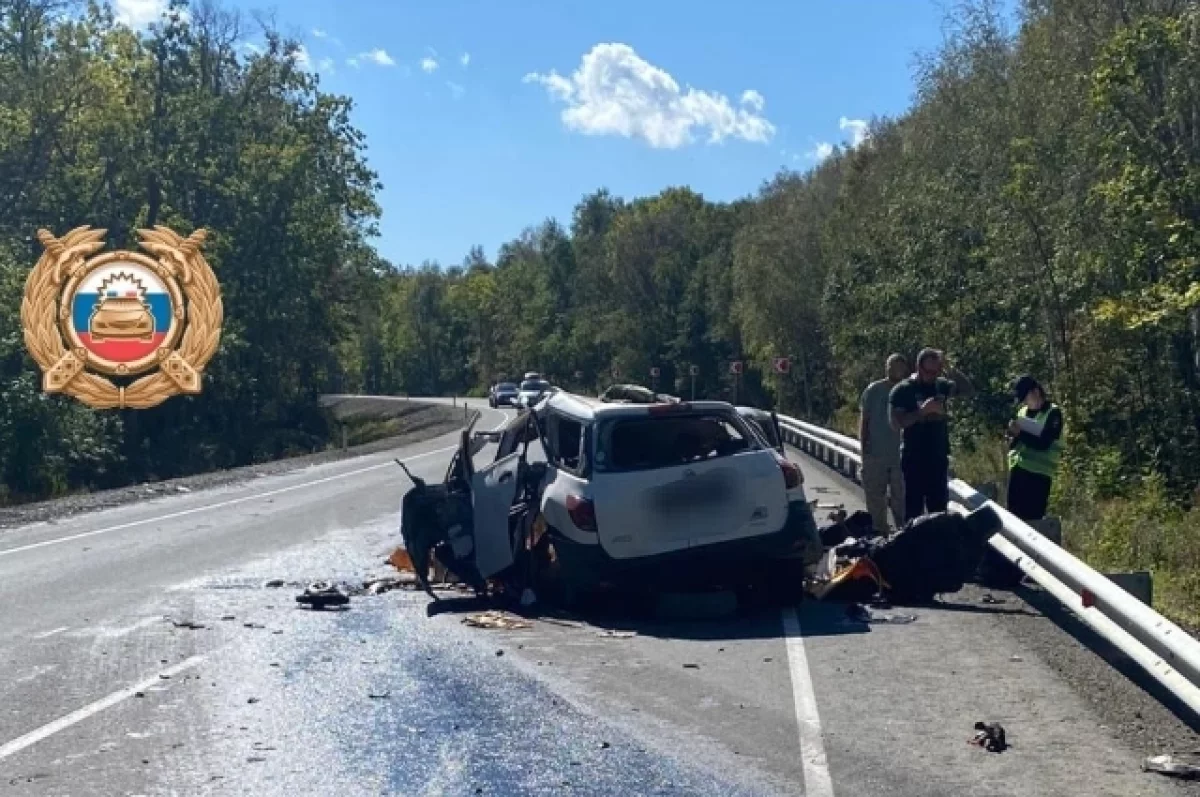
[379,57]
[464,59]
[302,58]
[858,130]
[320,34]
[428,65]
[456,89]
[615,92]
[753,100]
[140,13]
[352,62]
[326,65]
[819,153]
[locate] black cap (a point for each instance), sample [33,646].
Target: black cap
[1023,385]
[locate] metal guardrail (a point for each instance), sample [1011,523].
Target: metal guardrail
[1164,650]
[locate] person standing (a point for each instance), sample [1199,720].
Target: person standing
[919,411]
[882,481]
[1035,450]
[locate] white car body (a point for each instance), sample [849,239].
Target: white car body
[616,490]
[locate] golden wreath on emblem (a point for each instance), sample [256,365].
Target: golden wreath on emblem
[122,314]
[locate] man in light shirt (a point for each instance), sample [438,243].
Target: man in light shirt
[882,480]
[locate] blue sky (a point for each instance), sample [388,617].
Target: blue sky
[484,117]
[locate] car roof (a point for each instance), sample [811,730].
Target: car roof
[754,412]
[587,407]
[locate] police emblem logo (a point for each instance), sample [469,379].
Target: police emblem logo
[122,329]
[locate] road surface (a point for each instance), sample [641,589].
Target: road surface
[109,691]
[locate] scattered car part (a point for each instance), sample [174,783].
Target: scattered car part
[1173,765]
[990,736]
[322,594]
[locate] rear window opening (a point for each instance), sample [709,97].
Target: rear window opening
[665,441]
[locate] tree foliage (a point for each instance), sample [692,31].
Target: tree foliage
[1034,211]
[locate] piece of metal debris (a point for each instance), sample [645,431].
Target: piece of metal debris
[691,666]
[274,583]
[189,624]
[496,619]
[1174,765]
[322,594]
[379,695]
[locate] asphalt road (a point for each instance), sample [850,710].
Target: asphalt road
[267,698]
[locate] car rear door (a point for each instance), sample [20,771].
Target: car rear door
[649,501]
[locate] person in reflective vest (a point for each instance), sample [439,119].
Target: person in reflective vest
[1035,450]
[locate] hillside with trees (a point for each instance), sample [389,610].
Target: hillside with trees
[1036,210]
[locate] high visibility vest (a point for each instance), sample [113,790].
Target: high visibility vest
[1034,460]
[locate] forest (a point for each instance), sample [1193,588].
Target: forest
[1037,209]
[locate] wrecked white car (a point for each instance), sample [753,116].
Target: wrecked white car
[601,493]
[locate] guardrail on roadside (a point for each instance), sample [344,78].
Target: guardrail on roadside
[1164,650]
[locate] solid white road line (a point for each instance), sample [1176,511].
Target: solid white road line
[206,507]
[231,502]
[817,782]
[48,730]
[51,633]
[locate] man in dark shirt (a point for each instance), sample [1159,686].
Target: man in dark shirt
[1036,448]
[919,412]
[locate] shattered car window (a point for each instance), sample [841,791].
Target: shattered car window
[641,443]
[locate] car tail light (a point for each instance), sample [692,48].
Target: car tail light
[792,475]
[582,512]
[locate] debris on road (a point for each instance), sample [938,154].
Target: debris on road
[274,583]
[188,624]
[378,586]
[990,736]
[609,632]
[859,613]
[1172,765]
[379,695]
[933,554]
[496,619]
[691,666]
[322,594]
[991,600]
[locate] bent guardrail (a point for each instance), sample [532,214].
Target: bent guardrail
[1164,650]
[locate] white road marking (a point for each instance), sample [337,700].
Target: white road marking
[207,507]
[51,632]
[112,633]
[817,782]
[48,730]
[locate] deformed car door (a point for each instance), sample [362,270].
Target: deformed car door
[492,492]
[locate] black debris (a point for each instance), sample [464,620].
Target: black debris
[990,736]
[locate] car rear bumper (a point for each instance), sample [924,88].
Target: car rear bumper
[589,565]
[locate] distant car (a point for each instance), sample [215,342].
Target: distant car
[531,392]
[503,394]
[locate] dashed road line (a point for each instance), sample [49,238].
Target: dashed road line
[62,723]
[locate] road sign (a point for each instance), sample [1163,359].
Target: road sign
[735,367]
[655,372]
[695,370]
[782,365]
